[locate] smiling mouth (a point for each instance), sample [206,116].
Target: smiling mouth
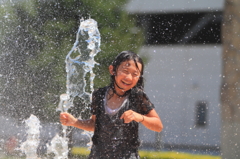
[126,83]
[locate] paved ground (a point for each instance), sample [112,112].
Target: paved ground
[4,156]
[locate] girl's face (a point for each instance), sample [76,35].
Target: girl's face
[127,75]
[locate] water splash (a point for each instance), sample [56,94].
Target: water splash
[58,147]
[29,147]
[85,48]
[87,45]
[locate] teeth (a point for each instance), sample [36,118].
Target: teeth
[126,83]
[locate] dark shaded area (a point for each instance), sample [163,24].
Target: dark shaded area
[201,114]
[182,28]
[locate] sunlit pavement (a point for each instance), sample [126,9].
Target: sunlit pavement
[5,156]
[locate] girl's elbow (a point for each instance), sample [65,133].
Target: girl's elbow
[157,128]
[160,127]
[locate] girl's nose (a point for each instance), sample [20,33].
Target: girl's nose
[129,76]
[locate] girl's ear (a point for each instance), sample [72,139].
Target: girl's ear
[110,68]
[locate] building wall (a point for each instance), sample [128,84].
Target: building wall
[173,6]
[177,78]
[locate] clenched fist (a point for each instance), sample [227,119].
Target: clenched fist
[67,119]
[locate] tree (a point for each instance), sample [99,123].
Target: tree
[230,95]
[35,38]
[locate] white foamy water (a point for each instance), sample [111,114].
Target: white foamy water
[85,48]
[79,61]
[29,147]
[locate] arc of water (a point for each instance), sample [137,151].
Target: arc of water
[87,45]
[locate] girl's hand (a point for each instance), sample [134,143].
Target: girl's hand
[67,119]
[130,115]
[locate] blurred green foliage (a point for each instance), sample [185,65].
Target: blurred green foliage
[36,36]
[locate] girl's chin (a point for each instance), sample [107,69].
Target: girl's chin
[124,89]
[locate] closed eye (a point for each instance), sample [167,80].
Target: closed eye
[125,71]
[135,75]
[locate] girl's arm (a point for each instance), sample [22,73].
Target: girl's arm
[69,120]
[150,120]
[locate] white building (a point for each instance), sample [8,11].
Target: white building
[183,73]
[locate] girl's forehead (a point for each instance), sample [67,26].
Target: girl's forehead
[131,63]
[126,64]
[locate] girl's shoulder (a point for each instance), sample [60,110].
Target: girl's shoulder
[139,95]
[97,97]
[138,92]
[100,92]
[140,101]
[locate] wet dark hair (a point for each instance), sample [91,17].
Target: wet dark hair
[123,57]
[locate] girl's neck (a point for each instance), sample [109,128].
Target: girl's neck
[113,100]
[116,93]
[119,92]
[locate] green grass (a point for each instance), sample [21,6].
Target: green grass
[84,152]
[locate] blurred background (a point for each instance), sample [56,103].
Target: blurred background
[190,49]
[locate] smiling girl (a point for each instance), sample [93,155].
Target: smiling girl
[117,110]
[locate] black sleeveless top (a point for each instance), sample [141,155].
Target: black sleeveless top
[114,139]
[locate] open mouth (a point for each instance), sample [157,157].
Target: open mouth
[127,84]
